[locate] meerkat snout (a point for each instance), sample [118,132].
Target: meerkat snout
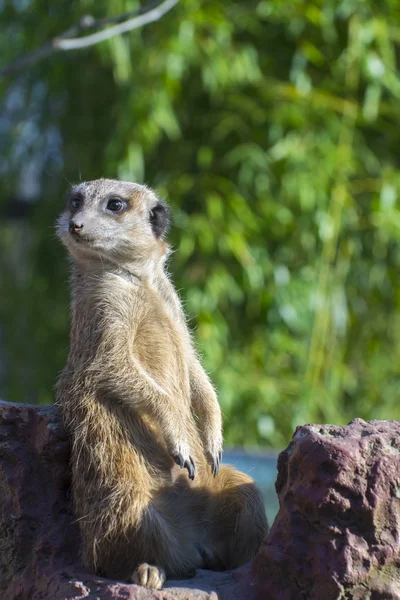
[74,227]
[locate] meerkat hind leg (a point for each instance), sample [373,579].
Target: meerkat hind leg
[149,576]
[240,522]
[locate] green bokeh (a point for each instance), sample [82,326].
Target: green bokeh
[273,129]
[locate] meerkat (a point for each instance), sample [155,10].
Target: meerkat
[150,494]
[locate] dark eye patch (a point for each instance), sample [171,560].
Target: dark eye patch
[160,219]
[75,201]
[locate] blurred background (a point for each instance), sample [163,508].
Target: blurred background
[273,129]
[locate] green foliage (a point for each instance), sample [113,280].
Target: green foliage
[272,127]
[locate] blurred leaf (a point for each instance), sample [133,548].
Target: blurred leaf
[272,129]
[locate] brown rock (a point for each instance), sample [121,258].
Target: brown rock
[336,536]
[39,539]
[337,533]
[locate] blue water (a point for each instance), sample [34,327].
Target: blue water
[262,468]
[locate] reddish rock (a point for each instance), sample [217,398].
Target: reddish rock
[337,533]
[336,536]
[39,539]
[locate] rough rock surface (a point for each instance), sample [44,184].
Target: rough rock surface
[336,536]
[337,533]
[39,540]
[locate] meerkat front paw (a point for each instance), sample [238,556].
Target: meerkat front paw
[180,454]
[149,576]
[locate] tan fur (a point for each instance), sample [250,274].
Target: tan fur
[134,395]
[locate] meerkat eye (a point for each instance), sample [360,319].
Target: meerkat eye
[115,204]
[76,202]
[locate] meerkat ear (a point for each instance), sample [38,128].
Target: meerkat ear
[160,219]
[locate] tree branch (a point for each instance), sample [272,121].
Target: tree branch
[134,23]
[67,40]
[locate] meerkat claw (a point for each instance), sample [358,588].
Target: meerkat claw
[178,458]
[185,464]
[214,462]
[189,465]
[215,466]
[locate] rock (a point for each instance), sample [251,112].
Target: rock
[336,536]
[39,538]
[337,533]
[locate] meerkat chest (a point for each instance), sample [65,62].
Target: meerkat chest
[161,346]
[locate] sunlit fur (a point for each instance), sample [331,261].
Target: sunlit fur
[133,394]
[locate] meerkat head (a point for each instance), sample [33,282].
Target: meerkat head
[113,221]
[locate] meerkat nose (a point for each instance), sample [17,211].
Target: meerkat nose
[75,227]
